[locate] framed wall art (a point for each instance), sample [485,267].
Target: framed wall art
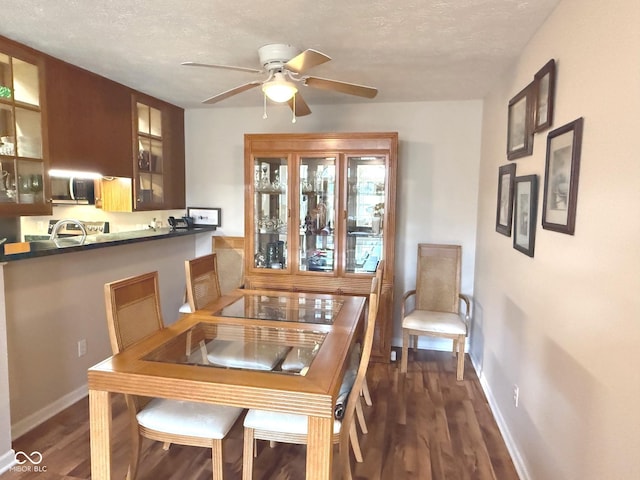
[561,174]
[205,217]
[525,208]
[520,124]
[504,209]
[545,86]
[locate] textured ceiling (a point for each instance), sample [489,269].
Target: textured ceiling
[411,50]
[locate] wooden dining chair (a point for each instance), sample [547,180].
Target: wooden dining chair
[437,302]
[133,313]
[292,428]
[230,253]
[203,284]
[365,387]
[379,275]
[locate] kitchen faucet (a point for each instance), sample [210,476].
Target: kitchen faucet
[59,224]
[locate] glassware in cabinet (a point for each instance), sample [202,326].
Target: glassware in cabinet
[366,187]
[150,184]
[317,214]
[21,139]
[271,212]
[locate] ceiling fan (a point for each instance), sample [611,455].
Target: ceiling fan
[285,66]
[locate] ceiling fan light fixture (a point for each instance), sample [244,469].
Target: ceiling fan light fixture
[279,89]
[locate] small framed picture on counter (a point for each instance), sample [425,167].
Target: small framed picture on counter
[205,217]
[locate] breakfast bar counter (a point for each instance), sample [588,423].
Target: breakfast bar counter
[41,248]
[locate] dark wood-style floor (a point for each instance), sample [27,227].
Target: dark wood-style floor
[423,425]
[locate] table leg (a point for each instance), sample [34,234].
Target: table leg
[100,430]
[319,448]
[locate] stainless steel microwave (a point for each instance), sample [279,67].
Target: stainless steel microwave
[72,191]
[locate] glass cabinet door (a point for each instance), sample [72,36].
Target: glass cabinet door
[21,159]
[150,181]
[366,184]
[271,212]
[317,211]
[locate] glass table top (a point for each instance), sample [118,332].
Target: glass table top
[287,351]
[283,308]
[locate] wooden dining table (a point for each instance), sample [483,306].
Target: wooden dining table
[238,351]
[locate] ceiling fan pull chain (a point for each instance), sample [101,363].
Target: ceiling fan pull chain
[264,113]
[293,110]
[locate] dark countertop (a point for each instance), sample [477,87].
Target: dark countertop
[42,248]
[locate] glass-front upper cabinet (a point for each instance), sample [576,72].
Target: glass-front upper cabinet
[149,182]
[366,186]
[271,212]
[317,214]
[21,148]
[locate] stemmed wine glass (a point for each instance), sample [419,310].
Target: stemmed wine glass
[264,181]
[36,184]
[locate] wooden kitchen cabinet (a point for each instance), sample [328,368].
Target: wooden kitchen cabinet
[89,121]
[23,132]
[78,120]
[156,170]
[158,163]
[320,213]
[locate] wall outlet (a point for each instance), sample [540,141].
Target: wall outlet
[516,395]
[82,347]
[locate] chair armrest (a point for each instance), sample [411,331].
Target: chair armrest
[467,303]
[405,297]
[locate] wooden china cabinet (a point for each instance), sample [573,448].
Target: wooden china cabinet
[320,214]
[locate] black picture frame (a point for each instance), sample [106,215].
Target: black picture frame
[525,210]
[205,217]
[561,174]
[544,83]
[504,207]
[520,124]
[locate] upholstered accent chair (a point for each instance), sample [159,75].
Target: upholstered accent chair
[437,300]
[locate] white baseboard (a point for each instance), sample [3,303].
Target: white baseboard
[28,423]
[444,345]
[7,460]
[502,426]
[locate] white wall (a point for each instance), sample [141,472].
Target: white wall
[52,302]
[6,452]
[437,175]
[564,324]
[118,222]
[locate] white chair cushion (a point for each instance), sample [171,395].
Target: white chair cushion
[251,356]
[437,322]
[297,359]
[280,422]
[185,308]
[202,420]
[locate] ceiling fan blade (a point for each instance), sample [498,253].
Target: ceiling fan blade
[302,108]
[226,67]
[342,87]
[233,91]
[306,60]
